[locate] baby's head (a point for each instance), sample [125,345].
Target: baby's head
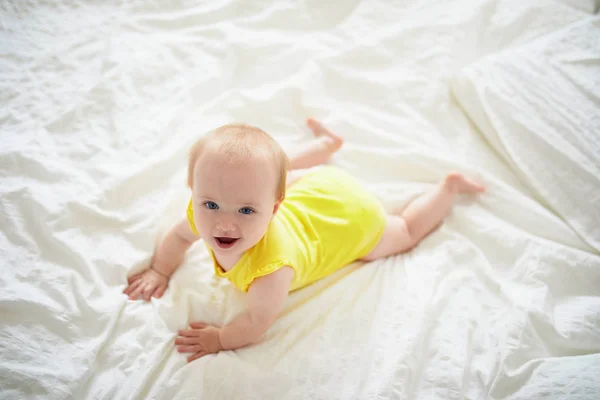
[237,174]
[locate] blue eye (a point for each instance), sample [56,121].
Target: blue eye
[211,205]
[246,210]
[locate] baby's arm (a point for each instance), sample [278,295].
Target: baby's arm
[266,297]
[171,252]
[153,281]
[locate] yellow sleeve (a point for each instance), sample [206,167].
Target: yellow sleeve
[190,217]
[265,270]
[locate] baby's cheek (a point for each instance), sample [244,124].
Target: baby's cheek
[260,227]
[203,226]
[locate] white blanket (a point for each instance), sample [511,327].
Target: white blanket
[539,107]
[100,102]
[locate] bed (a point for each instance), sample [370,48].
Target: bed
[101,100]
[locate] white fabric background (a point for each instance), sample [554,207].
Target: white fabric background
[100,101]
[538,105]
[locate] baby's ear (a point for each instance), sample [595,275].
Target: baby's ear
[276,207]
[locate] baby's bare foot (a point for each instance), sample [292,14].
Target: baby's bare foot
[319,131]
[457,183]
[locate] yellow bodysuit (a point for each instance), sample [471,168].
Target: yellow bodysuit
[326,221]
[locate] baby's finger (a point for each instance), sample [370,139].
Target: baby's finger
[198,325]
[189,349]
[189,333]
[148,290]
[131,287]
[136,293]
[159,291]
[196,356]
[186,341]
[134,278]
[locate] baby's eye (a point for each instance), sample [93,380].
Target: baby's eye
[246,210]
[211,205]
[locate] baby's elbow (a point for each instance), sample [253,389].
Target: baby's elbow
[261,321]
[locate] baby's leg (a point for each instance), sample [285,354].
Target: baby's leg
[318,150]
[404,231]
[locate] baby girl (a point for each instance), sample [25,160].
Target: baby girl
[273,225]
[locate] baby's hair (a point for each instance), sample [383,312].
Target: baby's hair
[239,142]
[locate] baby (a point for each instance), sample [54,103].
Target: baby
[273,225]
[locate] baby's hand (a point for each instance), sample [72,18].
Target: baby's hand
[147,283]
[202,339]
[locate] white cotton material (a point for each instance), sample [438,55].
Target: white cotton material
[99,102]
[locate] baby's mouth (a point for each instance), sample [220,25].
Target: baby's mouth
[225,242]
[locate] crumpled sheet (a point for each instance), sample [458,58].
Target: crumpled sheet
[100,102]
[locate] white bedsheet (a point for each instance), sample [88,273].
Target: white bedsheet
[99,104]
[539,107]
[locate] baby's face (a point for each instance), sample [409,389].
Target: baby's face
[233,204]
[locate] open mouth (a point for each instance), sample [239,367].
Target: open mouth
[225,242]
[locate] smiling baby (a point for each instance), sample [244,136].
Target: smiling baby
[273,225]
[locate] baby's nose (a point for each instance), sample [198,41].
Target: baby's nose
[225,225]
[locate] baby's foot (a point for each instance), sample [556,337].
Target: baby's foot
[457,183]
[319,131]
